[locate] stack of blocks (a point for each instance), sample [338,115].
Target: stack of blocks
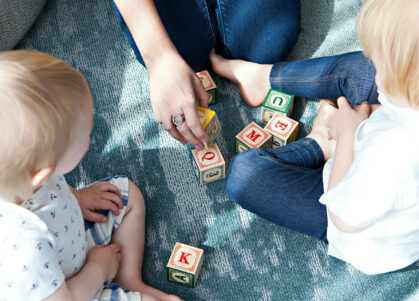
[279,129]
[184,264]
[209,86]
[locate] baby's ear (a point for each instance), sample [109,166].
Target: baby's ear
[42,176]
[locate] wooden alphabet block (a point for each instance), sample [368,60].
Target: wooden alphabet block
[184,264]
[209,85]
[283,129]
[252,136]
[208,164]
[209,122]
[275,101]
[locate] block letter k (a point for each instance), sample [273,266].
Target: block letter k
[183,258]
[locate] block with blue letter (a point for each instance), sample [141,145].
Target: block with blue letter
[252,136]
[184,264]
[208,164]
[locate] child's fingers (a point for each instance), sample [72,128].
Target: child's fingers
[343,102]
[106,186]
[94,217]
[109,196]
[108,205]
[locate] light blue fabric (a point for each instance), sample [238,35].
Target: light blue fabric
[246,258]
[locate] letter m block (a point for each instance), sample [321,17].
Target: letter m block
[184,264]
[252,136]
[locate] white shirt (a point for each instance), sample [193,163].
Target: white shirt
[42,242]
[379,192]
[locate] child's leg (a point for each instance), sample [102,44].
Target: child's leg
[130,235]
[284,185]
[350,74]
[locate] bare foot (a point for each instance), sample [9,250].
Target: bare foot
[252,78]
[320,131]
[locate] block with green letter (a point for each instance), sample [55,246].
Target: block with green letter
[252,136]
[184,264]
[276,102]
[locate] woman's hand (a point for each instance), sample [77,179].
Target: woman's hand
[174,88]
[99,196]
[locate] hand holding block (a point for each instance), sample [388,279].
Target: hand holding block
[282,129]
[276,101]
[253,136]
[209,86]
[208,164]
[209,122]
[184,264]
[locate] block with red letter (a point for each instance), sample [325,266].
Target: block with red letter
[209,122]
[282,129]
[185,264]
[209,86]
[208,164]
[276,101]
[253,136]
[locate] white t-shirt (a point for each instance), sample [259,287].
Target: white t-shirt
[380,192]
[41,245]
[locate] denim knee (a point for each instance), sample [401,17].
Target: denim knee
[241,176]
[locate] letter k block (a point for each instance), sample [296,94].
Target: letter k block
[184,264]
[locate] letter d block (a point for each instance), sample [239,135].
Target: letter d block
[253,136]
[282,129]
[208,164]
[209,86]
[275,101]
[185,264]
[209,122]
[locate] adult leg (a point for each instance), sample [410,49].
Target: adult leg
[283,185]
[257,31]
[350,74]
[189,26]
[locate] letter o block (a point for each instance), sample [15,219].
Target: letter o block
[209,122]
[252,136]
[184,264]
[208,164]
[209,86]
[275,102]
[282,129]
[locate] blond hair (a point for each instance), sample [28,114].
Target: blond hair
[40,97]
[389,34]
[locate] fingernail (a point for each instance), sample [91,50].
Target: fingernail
[205,140]
[198,147]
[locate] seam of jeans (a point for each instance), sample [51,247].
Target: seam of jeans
[309,143]
[277,79]
[293,167]
[220,20]
[205,10]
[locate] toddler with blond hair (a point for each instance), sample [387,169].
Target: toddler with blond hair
[353,182]
[47,250]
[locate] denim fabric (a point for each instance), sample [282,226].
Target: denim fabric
[262,32]
[350,74]
[282,185]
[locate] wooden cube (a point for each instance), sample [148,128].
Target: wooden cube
[184,264]
[252,136]
[209,122]
[283,129]
[208,164]
[209,85]
[275,101]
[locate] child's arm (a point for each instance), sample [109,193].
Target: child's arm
[342,128]
[99,196]
[101,265]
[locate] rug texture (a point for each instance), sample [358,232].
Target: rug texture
[246,257]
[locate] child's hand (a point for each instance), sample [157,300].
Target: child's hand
[99,196]
[347,119]
[107,258]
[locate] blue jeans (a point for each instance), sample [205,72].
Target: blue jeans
[283,185]
[257,31]
[350,74]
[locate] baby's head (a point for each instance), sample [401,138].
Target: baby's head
[45,120]
[389,34]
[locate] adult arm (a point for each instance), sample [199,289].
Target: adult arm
[174,86]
